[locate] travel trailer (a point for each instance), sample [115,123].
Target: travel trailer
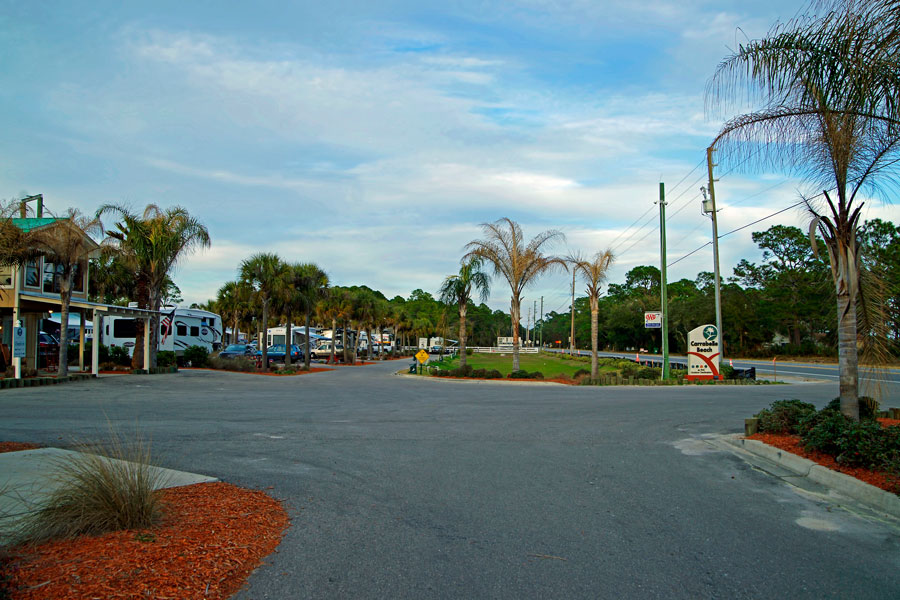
[277,335]
[179,328]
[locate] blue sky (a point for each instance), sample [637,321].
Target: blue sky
[373,137]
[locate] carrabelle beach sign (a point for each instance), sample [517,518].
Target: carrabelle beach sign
[703,353]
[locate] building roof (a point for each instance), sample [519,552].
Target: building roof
[33,223]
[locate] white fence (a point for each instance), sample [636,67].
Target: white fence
[503,349]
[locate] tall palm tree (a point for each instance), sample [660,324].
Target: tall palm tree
[519,263]
[152,243]
[458,289]
[264,273]
[827,84]
[593,273]
[68,244]
[309,283]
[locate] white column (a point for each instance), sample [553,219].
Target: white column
[147,323]
[18,273]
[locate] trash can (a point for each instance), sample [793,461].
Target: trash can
[412,368]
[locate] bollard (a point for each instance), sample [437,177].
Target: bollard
[751,426]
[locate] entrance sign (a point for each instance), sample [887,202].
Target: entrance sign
[703,353]
[421,356]
[18,349]
[653,320]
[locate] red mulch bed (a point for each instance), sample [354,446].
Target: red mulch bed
[213,535]
[791,443]
[17,446]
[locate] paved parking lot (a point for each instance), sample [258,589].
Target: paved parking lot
[400,487]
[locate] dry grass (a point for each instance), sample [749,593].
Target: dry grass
[103,487]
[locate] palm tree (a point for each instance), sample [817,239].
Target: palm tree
[593,272]
[457,289]
[151,244]
[520,264]
[327,312]
[232,300]
[310,283]
[67,243]
[828,88]
[264,273]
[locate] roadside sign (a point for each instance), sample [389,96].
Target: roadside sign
[703,355]
[421,356]
[653,320]
[18,342]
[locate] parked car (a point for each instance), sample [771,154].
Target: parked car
[238,351]
[276,352]
[323,350]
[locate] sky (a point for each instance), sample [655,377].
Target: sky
[374,138]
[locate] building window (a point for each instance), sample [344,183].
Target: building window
[52,274]
[181,330]
[195,331]
[6,273]
[125,328]
[31,273]
[78,281]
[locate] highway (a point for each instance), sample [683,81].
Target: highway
[883,383]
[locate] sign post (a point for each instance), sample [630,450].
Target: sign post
[703,353]
[421,356]
[18,349]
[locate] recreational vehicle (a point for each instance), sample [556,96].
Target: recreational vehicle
[179,328]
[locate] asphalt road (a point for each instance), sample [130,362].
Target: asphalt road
[405,487]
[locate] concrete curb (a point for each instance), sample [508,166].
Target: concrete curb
[845,484]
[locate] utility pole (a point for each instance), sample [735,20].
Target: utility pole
[715,240]
[534,325]
[527,325]
[663,292]
[542,321]
[572,334]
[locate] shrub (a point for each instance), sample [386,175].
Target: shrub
[520,374]
[648,373]
[468,352]
[784,416]
[104,487]
[868,406]
[119,355]
[465,371]
[493,374]
[287,371]
[726,371]
[628,368]
[165,358]
[108,366]
[581,372]
[232,364]
[196,356]
[536,375]
[479,373]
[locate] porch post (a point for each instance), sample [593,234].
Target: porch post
[81,343]
[95,344]
[16,320]
[147,322]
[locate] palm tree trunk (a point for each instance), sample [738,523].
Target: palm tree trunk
[306,345]
[380,345]
[344,341]
[594,314]
[462,335]
[265,326]
[155,302]
[333,338]
[142,296]
[514,316]
[65,296]
[288,340]
[234,332]
[848,359]
[371,347]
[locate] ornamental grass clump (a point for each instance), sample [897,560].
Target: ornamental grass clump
[105,487]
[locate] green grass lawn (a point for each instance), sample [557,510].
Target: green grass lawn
[547,364]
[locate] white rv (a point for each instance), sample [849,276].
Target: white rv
[179,328]
[277,335]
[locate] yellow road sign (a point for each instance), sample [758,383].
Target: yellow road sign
[422,356]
